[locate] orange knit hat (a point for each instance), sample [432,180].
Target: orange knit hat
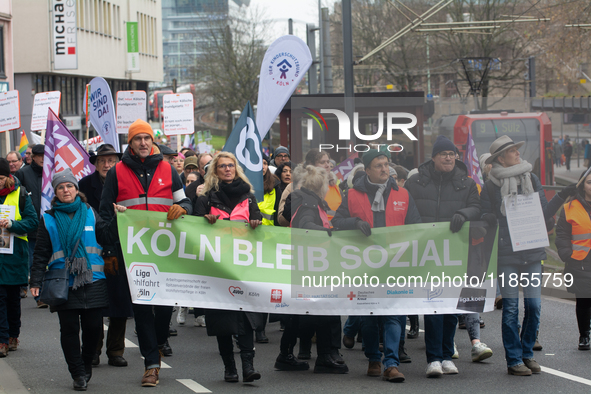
[139,127]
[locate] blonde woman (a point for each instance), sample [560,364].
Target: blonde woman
[227,194]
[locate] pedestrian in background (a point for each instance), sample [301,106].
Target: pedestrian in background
[14,267]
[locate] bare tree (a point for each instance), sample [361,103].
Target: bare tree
[232,53]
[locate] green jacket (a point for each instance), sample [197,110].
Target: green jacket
[14,268]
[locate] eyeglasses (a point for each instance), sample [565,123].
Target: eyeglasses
[224,166]
[283,156]
[447,154]
[13,161]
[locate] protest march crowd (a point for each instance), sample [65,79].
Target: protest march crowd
[76,243]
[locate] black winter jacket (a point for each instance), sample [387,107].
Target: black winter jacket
[304,209]
[439,195]
[31,178]
[343,220]
[506,256]
[93,295]
[204,203]
[580,269]
[92,187]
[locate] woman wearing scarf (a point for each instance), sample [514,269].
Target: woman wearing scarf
[71,222]
[508,177]
[227,195]
[14,268]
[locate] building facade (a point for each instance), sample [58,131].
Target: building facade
[63,44]
[185,25]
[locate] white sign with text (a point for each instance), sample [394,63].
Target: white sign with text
[179,116]
[131,106]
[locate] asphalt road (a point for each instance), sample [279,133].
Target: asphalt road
[38,365]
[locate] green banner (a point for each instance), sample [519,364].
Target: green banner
[421,268]
[132,37]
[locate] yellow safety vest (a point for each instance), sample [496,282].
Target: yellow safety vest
[13,199]
[267,208]
[578,217]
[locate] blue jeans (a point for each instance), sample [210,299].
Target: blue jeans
[151,324]
[10,312]
[440,331]
[519,347]
[392,326]
[352,326]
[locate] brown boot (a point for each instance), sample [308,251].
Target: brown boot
[12,344]
[150,378]
[375,369]
[393,375]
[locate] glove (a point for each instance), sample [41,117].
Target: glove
[175,212]
[568,191]
[456,223]
[364,227]
[490,219]
[111,265]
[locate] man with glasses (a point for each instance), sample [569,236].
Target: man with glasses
[29,155]
[119,309]
[280,156]
[443,193]
[15,161]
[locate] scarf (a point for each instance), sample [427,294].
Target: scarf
[231,193]
[7,190]
[509,178]
[70,231]
[378,200]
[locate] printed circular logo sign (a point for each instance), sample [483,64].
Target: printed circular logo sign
[107,127]
[284,69]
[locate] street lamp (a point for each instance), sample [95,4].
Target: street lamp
[235,116]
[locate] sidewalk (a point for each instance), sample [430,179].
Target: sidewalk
[571,176]
[9,380]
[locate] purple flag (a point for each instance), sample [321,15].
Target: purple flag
[62,150]
[471,161]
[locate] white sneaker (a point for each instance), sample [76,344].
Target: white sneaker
[200,321]
[449,368]
[480,352]
[456,354]
[434,369]
[182,316]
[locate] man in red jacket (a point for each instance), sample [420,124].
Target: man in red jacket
[376,201]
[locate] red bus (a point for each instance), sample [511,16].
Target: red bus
[157,104]
[534,128]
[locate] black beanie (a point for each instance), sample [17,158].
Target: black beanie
[442,144]
[4,167]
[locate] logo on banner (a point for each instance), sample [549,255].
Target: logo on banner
[235,290]
[351,296]
[276,295]
[107,127]
[284,69]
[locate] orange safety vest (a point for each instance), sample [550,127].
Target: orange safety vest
[131,192]
[396,207]
[239,213]
[333,199]
[579,219]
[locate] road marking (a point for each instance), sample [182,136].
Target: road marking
[566,376]
[162,363]
[129,344]
[193,385]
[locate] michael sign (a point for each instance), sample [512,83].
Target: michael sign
[64,35]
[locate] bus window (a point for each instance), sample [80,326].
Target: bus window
[484,132]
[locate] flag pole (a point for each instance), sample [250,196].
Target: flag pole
[43,136]
[7,136]
[86,106]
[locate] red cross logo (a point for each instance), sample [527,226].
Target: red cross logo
[351,295]
[276,295]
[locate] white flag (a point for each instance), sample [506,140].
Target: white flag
[285,63]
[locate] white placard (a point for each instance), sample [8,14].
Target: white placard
[179,116]
[525,219]
[65,43]
[6,237]
[41,104]
[10,113]
[131,106]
